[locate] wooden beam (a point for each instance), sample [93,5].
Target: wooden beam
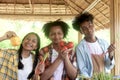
[97,9]
[101,13]
[41,14]
[45,9]
[37,17]
[14,5]
[65,9]
[104,4]
[71,6]
[91,5]
[76,4]
[30,4]
[68,7]
[50,6]
[101,25]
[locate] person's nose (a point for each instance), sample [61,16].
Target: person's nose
[29,41]
[56,36]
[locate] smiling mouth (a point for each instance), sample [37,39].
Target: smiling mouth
[29,45]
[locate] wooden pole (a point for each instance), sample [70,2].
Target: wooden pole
[115,32]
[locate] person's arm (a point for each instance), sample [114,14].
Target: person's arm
[70,69]
[81,62]
[111,49]
[2,38]
[109,59]
[7,35]
[109,63]
[51,69]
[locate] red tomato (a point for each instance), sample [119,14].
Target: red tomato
[70,45]
[64,48]
[45,49]
[62,43]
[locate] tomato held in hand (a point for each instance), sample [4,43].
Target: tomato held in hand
[62,43]
[70,45]
[64,48]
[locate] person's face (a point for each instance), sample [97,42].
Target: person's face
[56,34]
[87,28]
[30,42]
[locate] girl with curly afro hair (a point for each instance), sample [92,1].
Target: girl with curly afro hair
[58,65]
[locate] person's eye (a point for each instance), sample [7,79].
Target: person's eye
[34,41]
[51,34]
[26,38]
[84,29]
[59,33]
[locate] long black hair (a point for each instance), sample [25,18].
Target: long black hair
[20,65]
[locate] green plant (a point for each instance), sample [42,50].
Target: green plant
[102,76]
[98,76]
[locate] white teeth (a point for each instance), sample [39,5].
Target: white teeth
[29,45]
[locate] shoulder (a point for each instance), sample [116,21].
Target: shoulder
[9,54]
[102,41]
[81,44]
[45,49]
[10,51]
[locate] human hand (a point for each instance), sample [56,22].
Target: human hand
[64,54]
[64,45]
[9,35]
[39,68]
[111,48]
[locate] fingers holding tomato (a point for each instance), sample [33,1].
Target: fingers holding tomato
[65,49]
[70,45]
[64,45]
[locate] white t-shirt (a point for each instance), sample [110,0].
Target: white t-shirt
[59,71]
[94,48]
[23,73]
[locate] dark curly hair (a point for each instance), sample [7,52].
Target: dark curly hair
[64,26]
[80,18]
[20,65]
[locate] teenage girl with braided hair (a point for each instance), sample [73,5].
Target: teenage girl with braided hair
[19,64]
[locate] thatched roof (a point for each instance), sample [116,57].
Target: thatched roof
[54,9]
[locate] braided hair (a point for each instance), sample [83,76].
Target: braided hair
[20,65]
